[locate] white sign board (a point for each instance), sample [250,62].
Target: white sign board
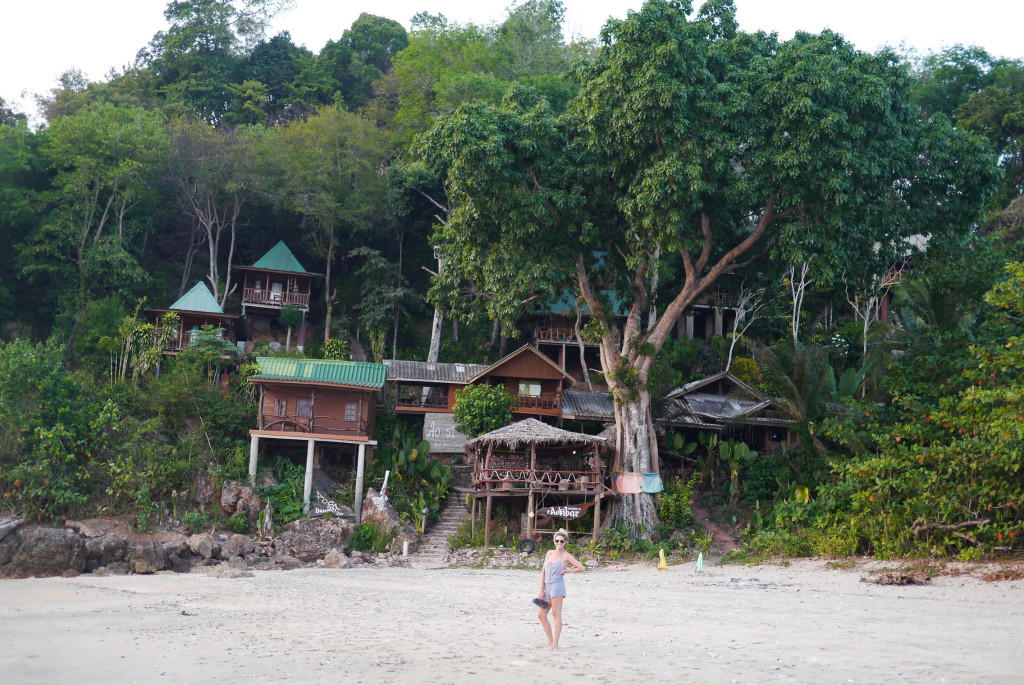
[439,430]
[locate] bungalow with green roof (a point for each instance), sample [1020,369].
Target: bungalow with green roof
[275,280]
[195,309]
[319,402]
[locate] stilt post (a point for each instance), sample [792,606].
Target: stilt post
[357,506]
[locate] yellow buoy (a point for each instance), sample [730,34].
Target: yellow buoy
[661,564]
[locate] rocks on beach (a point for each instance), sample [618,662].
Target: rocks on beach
[107,547]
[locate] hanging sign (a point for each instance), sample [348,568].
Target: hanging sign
[439,430]
[322,506]
[566,511]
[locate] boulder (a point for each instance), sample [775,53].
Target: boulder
[10,539]
[119,568]
[206,489]
[279,563]
[379,511]
[237,546]
[149,558]
[311,539]
[104,550]
[177,546]
[203,545]
[46,552]
[179,564]
[82,529]
[239,498]
[336,559]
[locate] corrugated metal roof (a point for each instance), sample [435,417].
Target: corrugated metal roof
[280,258]
[588,405]
[721,406]
[426,372]
[359,374]
[564,304]
[198,299]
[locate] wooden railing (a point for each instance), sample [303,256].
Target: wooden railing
[553,402]
[418,401]
[185,340]
[510,479]
[294,423]
[274,298]
[718,299]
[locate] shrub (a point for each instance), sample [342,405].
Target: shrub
[674,507]
[194,521]
[480,409]
[370,537]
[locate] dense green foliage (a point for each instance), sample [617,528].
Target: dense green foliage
[481,409]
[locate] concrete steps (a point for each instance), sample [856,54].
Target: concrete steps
[434,549]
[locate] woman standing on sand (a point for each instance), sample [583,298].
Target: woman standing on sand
[552,586]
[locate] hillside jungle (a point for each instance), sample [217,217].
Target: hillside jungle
[469,170]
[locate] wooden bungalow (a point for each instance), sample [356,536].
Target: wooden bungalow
[195,309]
[426,387]
[533,380]
[549,472]
[317,401]
[724,404]
[277,279]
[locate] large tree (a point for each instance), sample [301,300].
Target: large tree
[690,137]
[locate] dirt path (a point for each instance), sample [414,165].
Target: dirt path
[724,541]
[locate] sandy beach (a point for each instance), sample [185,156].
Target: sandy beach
[802,623]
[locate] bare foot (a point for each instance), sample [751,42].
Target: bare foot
[550,646]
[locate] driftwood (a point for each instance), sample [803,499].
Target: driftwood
[898,578]
[952,528]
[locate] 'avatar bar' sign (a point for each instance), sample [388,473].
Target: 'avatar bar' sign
[566,511]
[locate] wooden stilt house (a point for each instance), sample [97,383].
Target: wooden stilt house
[545,472]
[195,309]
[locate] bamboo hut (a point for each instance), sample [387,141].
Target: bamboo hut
[555,473]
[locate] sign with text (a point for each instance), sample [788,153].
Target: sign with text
[439,430]
[566,511]
[322,506]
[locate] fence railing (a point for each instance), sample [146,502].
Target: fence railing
[274,298]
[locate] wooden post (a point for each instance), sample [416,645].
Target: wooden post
[254,450]
[307,487]
[533,462]
[357,506]
[597,514]
[487,474]
[529,516]
[472,523]
[487,523]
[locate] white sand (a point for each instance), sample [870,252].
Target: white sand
[731,624]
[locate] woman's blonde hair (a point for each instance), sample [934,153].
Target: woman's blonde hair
[564,533]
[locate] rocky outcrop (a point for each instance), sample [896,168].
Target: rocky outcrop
[237,546]
[336,559]
[239,498]
[310,540]
[379,511]
[203,545]
[104,550]
[46,552]
[149,558]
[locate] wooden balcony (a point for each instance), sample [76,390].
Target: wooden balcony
[541,402]
[274,298]
[327,425]
[550,479]
[432,402]
[718,299]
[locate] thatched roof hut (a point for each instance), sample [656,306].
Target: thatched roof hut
[530,460]
[532,431]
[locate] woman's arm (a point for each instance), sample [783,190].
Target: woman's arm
[578,567]
[542,578]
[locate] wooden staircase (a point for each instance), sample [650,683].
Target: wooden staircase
[434,549]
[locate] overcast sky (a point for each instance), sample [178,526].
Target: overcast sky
[40,39]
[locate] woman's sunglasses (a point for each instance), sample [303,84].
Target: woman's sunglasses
[559,542]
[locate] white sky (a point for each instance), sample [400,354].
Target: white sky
[40,39]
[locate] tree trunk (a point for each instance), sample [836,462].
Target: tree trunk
[328,296]
[288,340]
[435,337]
[636,511]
